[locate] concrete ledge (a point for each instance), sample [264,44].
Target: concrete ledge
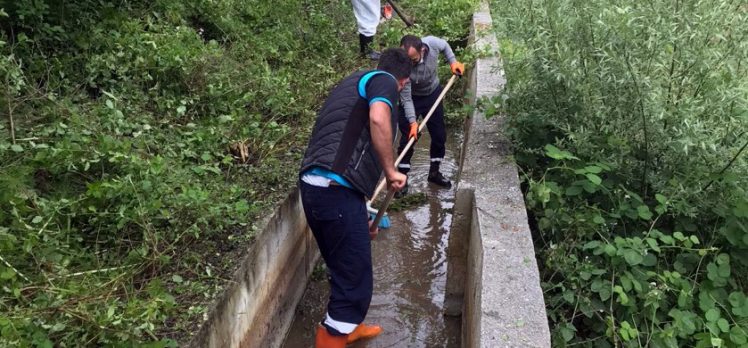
[258,308]
[493,279]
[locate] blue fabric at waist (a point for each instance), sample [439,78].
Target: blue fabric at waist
[330,175]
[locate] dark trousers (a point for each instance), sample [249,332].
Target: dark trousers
[436,127]
[339,222]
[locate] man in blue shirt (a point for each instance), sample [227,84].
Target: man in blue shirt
[350,146]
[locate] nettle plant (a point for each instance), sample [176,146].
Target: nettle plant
[630,122]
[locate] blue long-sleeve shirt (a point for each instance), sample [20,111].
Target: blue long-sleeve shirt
[423,77]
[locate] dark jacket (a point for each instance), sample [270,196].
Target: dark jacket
[341,138]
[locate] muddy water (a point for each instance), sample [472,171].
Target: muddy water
[410,271]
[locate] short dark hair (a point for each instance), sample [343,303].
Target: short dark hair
[409,41]
[396,62]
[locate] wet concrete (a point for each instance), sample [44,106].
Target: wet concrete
[410,270]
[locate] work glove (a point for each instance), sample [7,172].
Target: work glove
[457,68]
[387,11]
[413,133]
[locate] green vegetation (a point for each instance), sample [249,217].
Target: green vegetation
[408,202]
[630,122]
[141,142]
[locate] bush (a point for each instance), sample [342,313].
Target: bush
[118,189]
[630,123]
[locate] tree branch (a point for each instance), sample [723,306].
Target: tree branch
[729,164]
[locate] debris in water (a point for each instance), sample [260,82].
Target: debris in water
[409,201]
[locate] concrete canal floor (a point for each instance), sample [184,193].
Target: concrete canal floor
[410,270]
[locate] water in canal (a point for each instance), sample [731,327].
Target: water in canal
[410,271]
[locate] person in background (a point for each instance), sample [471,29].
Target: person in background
[417,98]
[350,146]
[367,14]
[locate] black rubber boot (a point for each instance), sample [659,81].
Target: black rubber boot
[436,177]
[364,43]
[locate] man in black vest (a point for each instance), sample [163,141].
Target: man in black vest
[351,144]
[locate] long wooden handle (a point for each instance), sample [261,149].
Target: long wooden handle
[411,141]
[401,14]
[383,209]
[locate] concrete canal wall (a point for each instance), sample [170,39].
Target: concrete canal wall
[492,278]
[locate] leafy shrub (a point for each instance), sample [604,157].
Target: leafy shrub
[630,123]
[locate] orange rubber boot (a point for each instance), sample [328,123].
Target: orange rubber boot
[364,331]
[325,340]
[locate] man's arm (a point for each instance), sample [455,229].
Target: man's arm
[406,97]
[443,46]
[381,138]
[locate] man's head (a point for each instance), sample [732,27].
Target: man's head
[413,46]
[396,62]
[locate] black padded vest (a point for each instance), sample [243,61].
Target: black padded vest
[341,139]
